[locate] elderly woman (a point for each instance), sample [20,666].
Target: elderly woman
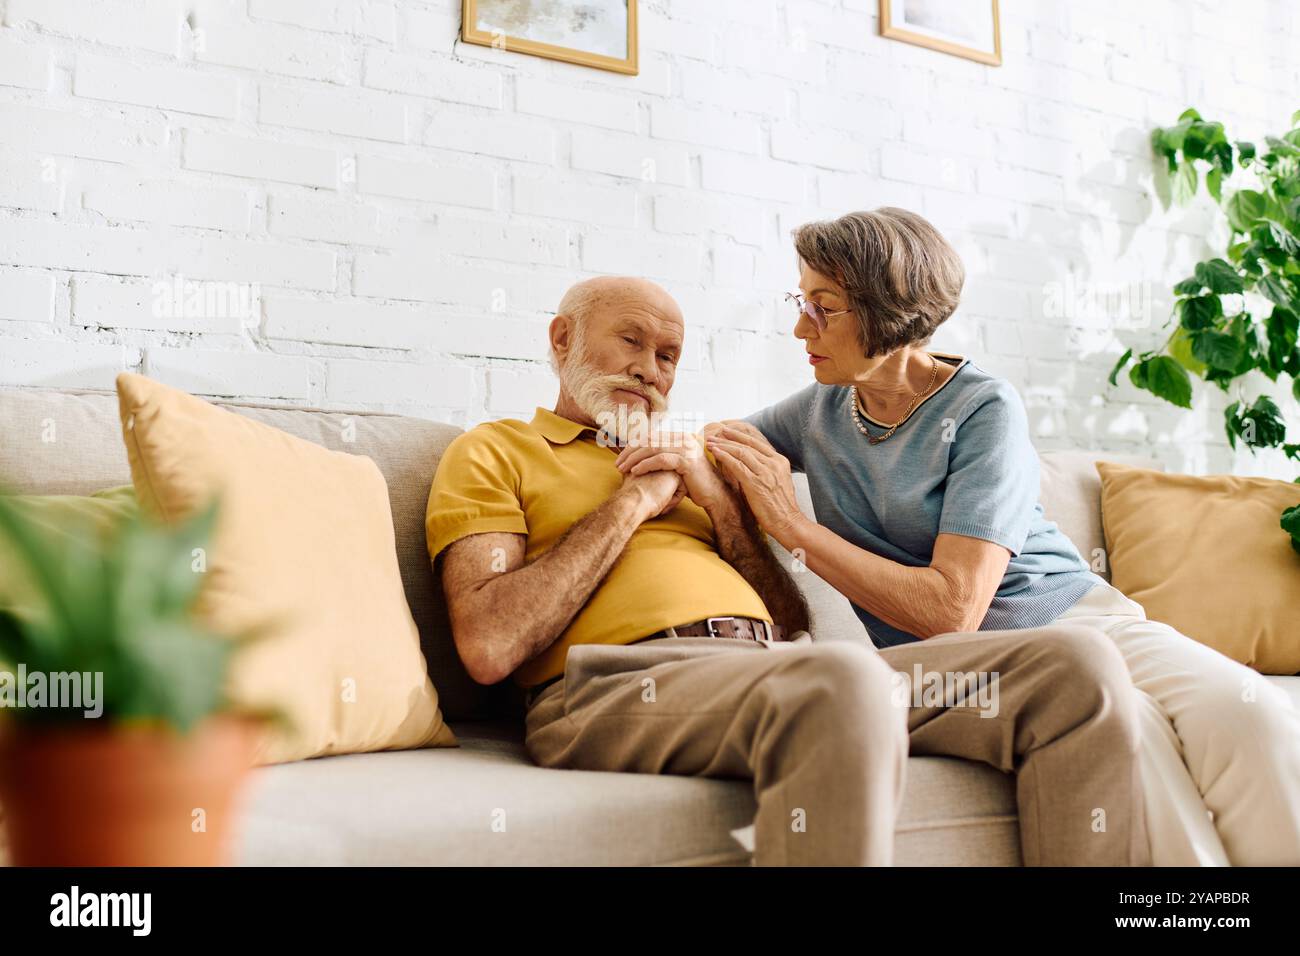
[925,486]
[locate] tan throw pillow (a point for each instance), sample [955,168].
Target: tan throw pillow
[1207,556]
[304,539]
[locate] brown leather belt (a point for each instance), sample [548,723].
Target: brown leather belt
[744,628]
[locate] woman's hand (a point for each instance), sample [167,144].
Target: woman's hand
[748,461]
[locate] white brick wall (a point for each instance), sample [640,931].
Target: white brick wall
[403,210]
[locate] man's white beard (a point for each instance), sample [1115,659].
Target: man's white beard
[593,392]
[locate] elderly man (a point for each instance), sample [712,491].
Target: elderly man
[651,624]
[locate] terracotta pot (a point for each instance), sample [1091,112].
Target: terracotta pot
[123,795]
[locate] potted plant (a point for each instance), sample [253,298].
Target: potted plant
[118,746]
[1240,312]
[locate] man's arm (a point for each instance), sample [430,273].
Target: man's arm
[505,612]
[743,545]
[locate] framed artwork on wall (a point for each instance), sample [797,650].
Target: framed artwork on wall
[597,33]
[965,28]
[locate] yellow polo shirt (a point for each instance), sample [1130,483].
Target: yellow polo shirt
[537,479]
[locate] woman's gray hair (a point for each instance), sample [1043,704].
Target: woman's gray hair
[902,278]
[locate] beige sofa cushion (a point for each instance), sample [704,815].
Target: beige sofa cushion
[439,807]
[304,547]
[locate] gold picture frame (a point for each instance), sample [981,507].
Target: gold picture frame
[471,32]
[896,28]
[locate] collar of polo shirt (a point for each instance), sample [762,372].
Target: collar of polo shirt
[558,430]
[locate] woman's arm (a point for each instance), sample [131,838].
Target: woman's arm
[952,593]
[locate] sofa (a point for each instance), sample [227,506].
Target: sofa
[484,802]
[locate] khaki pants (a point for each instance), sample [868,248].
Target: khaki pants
[823,730]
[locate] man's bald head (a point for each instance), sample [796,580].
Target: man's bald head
[592,295]
[601,299]
[615,341]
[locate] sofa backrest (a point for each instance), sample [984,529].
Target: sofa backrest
[831,615]
[1070,492]
[66,442]
[55,441]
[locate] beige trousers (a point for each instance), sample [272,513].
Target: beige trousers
[822,730]
[1215,735]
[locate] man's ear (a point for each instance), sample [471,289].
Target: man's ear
[561,330]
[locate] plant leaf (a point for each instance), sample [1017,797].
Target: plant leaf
[1180,349]
[176,672]
[1218,350]
[42,560]
[1259,425]
[1123,360]
[1184,182]
[1281,147]
[1274,289]
[14,645]
[1199,312]
[1291,525]
[158,578]
[1219,277]
[1244,208]
[125,601]
[1283,329]
[1214,183]
[1165,378]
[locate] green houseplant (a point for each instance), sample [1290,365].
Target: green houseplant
[142,765]
[1221,334]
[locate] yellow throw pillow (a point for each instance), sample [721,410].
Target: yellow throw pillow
[1207,556]
[304,541]
[59,517]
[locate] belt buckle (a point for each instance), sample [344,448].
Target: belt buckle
[767,628]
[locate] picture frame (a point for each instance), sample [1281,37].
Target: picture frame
[957,27]
[507,25]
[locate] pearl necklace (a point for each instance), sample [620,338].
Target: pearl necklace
[857,420]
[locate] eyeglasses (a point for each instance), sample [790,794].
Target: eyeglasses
[813,310]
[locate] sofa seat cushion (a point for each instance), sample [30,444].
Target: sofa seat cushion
[438,807]
[430,807]
[957,813]
[486,804]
